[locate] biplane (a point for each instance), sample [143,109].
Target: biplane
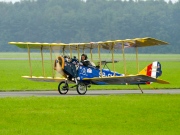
[84,76]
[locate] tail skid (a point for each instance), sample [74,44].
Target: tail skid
[140,89]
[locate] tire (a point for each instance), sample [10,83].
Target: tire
[81,88]
[63,87]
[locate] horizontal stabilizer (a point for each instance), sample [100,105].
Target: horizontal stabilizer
[162,81]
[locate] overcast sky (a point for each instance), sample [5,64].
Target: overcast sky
[19,0]
[9,0]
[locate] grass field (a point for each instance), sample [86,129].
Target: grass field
[138,114]
[12,70]
[98,115]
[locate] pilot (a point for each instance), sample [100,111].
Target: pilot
[74,60]
[84,61]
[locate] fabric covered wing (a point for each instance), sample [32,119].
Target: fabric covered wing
[131,79]
[44,79]
[136,42]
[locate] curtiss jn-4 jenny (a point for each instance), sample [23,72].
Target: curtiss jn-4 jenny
[84,75]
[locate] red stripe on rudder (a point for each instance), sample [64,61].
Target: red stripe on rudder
[149,70]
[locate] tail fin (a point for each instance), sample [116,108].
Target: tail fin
[153,70]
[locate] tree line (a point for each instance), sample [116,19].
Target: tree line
[91,20]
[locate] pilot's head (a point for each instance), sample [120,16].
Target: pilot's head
[84,57]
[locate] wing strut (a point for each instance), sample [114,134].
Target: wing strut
[70,50]
[137,59]
[140,88]
[50,47]
[99,50]
[78,53]
[63,50]
[42,59]
[91,53]
[112,51]
[124,58]
[29,57]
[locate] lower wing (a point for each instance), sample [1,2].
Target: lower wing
[44,79]
[130,79]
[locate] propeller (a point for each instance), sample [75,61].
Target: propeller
[59,71]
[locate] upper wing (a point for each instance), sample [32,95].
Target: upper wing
[63,46]
[136,42]
[37,45]
[143,42]
[117,44]
[130,79]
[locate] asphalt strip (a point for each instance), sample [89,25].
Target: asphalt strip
[88,93]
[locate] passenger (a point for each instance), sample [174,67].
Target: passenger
[84,61]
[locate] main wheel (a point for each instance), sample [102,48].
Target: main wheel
[81,88]
[63,87]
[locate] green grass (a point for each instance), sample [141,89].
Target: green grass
[117,114]
[100,115]
[12,70]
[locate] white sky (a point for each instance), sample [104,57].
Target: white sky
[19,0]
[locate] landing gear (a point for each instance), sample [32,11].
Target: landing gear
[63,87]
[81,88]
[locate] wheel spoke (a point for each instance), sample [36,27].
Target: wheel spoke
[63,87]
[81,88]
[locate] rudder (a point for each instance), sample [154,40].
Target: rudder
[153,70]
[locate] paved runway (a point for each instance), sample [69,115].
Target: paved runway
[89,93]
